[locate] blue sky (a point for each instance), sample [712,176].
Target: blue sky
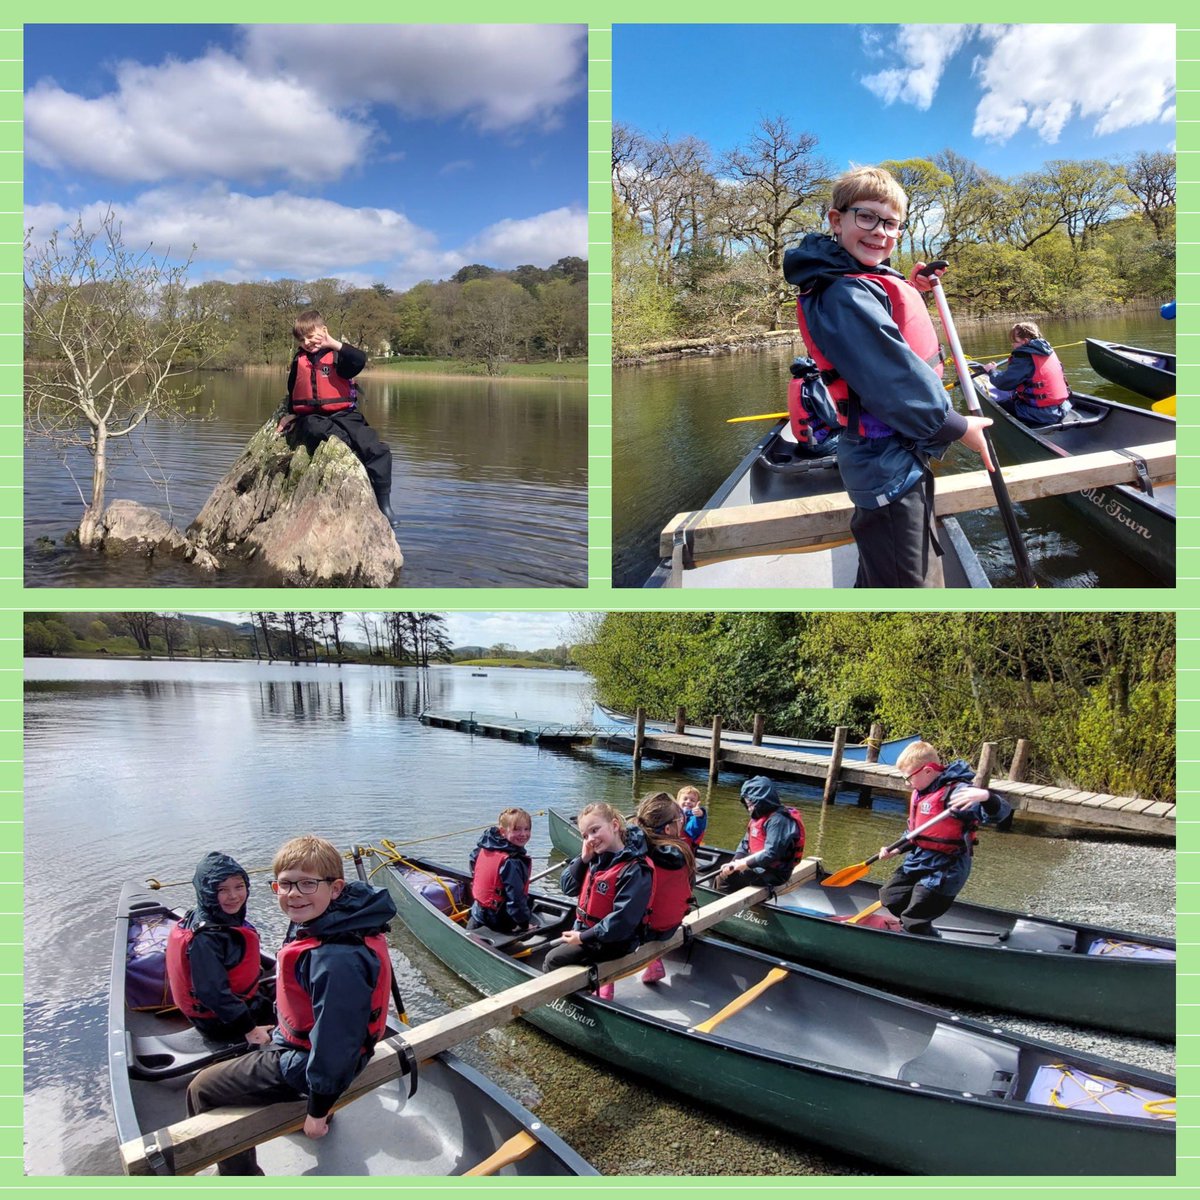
[370,153]
[1008,97]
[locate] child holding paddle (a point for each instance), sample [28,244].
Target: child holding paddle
[669,853]
[500,870]
[868,330]
[1032,385]
[938,858]
[613,882]
[213,962]
[322,402]
[773,843]
[333,983]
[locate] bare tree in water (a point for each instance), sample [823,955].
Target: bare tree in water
[106,336]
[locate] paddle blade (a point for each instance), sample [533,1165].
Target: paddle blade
[847,875]
[515,1149]
[1165,406]
[756,417]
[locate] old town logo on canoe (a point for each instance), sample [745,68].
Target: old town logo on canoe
[1114,508]
[570,1010]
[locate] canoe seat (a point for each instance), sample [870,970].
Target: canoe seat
[169,1055]
[960,1060]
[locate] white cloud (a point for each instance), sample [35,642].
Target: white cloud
[211,117]
[525,631]
[499,76]
[540,240]
[1116,76]
[924,51]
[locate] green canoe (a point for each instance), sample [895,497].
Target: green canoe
[1000,960]
[837,1063]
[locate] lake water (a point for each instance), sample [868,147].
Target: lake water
[672,448]
[137,769]
[489,481]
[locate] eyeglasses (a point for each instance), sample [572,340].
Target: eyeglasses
[306,887]
[864,218]
[912,776]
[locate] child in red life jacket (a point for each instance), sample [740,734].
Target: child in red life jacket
[213,959]
[1032,385]
[868,330]
[613,882]
[673,866]
[939,860]
[500,874]
[695,818]
[774,841]
[323,403]
[333,983]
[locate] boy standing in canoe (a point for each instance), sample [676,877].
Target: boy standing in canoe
[333,983]
[322,402]
[868,330]
[938,860]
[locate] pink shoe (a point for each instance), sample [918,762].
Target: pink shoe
[605,991]
[655,972]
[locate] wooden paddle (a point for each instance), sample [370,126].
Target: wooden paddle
[1166,406]
[1007,515]
[756,417]
[864,913]
[516,1148]
[853,873]
[772,977]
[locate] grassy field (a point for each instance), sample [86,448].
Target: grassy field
[535,664]
[572,369]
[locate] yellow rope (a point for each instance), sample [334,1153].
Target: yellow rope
[1156,1108]
[391,857]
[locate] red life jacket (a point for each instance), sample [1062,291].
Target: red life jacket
[950,836]
[1048,388]
[243,976]
[670,894]
[318,388]
[486,885]
[757,835]
[600,890]
[916,328]
[293,1005]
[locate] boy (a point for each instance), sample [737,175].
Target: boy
[695,818]
[500,874]
[323,403]
[773,844]
[333,980]
[1033,385]
[870,333]
[939,860]
[213,961]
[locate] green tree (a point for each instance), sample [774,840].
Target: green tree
[492,319]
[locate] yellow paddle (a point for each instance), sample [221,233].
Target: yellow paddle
[864,912]
[1166,406]
[772,977]
[756,417]
[516,1148]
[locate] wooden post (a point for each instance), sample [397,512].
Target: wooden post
[639,737]
[987,764]
[200,1141]
[680,719]
[714,753]
[759,722]
[874,743]
[1020,761]
[835,765]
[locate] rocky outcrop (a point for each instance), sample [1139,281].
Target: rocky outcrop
[128,527]
[306,520]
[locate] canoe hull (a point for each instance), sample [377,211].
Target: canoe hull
[1145,372]
[1140,526]
[849,1111]
[1127,995]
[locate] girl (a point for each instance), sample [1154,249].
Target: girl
[660,822]
[613,882]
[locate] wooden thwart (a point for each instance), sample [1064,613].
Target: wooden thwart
[772,977]
[815,521]
[197,1142]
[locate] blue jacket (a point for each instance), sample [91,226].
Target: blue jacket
[340,977]
[947,873]
[216,948]
[851,319]
[514,874]
[1020,370]
[621,926]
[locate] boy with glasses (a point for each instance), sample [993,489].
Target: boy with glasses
[333,981]
[868,330]
[773,845]
[938,860]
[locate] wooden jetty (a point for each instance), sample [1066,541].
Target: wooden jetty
[514,728]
